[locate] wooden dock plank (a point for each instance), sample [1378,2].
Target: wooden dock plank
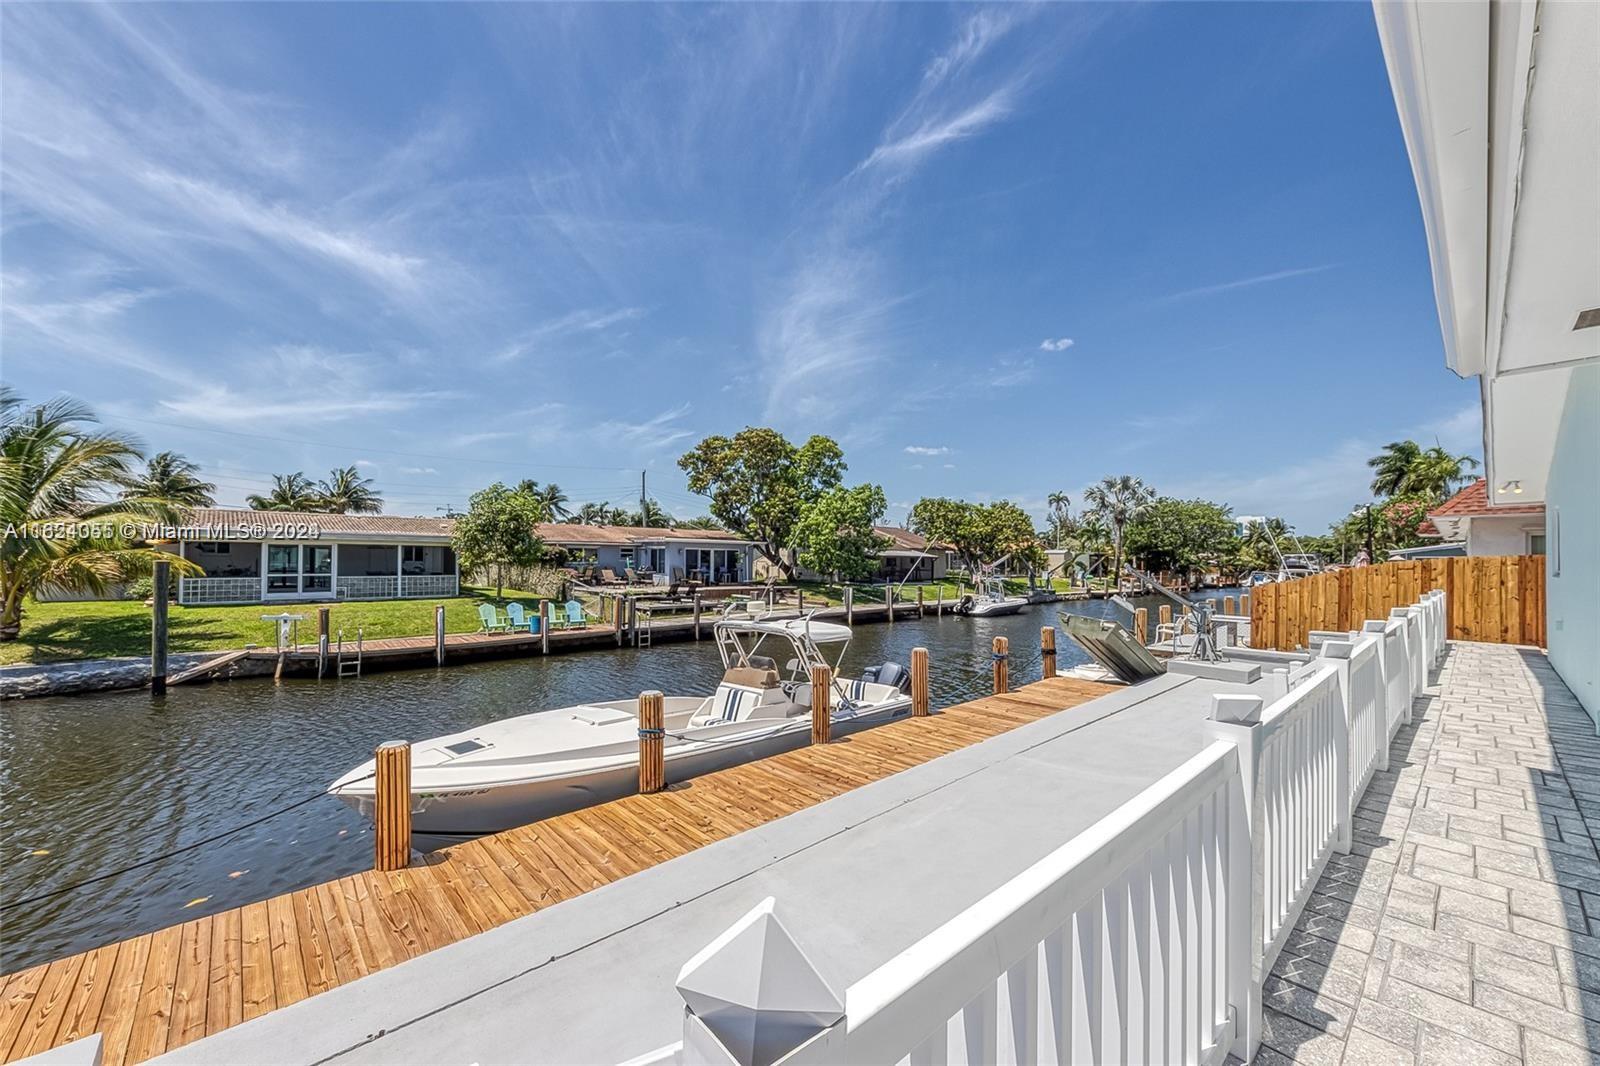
[156,992]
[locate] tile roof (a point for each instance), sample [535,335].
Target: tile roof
[901,539]
[572,533]
[361,525]
[1474,500]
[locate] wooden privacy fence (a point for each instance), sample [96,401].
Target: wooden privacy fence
[1498,599]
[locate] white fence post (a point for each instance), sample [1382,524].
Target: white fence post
[752,996]
[1236,719]
[1357,745]
[1415,658]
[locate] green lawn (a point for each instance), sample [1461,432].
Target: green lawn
[101,629]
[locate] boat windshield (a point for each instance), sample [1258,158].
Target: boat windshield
[792,645]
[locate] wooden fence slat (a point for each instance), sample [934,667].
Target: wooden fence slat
[1496,599]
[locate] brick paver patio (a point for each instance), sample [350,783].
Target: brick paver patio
[1465,924]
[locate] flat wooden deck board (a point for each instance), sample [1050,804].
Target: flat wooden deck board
[165,989]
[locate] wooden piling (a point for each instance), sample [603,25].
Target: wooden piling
[438,632]
[158,628]
[921,610]
[323,629]
[392,814]
[821,704]
[696,616]
[800,600]
[849,605]
[1244,605]
[616,619]
[919,682]
[652,742]
[1047,646]
[888,601]
[939,604]
[544,628]
[1227,605]
[1141,625]
[1163,616]
[1002,658]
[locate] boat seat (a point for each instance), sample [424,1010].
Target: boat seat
[731,703]
[751,676]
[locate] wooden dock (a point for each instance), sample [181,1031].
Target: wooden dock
[165,989]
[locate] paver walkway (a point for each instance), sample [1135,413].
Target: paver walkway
[1465,924]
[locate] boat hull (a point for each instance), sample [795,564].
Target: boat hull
[441,819]
[992,608]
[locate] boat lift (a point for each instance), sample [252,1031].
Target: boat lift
[1202,611]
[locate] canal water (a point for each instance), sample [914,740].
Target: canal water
[92,784]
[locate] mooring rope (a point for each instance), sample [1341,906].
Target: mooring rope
[153,859]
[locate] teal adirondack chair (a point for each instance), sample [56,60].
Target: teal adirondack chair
[518,615]
[553,616]
[492,622]
[576,615]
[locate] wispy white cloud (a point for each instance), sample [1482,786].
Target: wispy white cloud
[418,470]
[1059,344]
[921,449]
[1244,283]
[660,431]
[567,325]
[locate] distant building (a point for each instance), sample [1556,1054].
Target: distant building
[709,556]
[908,557]
[1467,522]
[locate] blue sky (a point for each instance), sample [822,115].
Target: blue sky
[995,251]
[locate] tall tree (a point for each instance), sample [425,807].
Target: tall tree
[835,536]
[169,476]
[56,529]
[345,491]
[760,484]
[651,514]
[1437,472]
[1059,505]
[1183,536]
[550,497]
[1116,501]
[498,530]
[591,514]
[290,492]
[979,533]
[1392,466]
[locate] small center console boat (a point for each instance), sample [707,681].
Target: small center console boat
[533,766]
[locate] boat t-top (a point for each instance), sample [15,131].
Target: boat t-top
[990,598]
[519,770]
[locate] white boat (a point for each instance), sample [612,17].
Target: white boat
[519,770]
[990,599]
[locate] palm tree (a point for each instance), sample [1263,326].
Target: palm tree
[550,497]
[590,514]
[1437,473]
[1392,467]
[64,527]
[1058,503]
[290,492]
[651,514]
[705,521]
[1117,501]
[346,492]
[619,516]
[169,476]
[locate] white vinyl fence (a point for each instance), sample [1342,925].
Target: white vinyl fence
[1145,938]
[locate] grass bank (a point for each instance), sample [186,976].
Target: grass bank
[103,629]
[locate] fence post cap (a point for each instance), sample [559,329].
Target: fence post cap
[1338,649]
[1238,708]
[1375,626]
[756,991]
[1400,612]
[389,745]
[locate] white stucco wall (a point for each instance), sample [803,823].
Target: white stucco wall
[1502,536]
[1572,515]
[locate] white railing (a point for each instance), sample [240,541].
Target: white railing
[1146,938]
[1395,667]
[368,587]
[428,585]
[1416,647]
[1037,970]
[1361,678]
[194,590]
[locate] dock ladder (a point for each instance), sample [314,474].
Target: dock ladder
[350,667]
